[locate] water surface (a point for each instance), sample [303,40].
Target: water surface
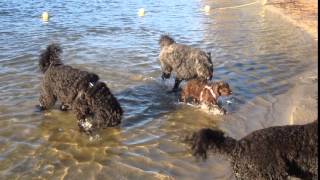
[255,51]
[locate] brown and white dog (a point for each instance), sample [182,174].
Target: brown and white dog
[202,92]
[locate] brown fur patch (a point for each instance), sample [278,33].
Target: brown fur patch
[199,91]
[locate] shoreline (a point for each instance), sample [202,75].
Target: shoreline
[301,13]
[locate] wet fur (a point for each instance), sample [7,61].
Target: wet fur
[271,153]
[192,91]
[72,88]
[187,62]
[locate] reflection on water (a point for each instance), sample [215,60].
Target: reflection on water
[256,52]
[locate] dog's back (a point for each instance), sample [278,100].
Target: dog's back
[63,81]
[186,61]
[204,92]
[192,90]
[271,153]
[279,151]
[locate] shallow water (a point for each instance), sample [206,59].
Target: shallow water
[257,52]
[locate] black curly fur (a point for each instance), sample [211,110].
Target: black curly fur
[165,40]
[78,90]
[51,56]
[271,153]
[187,62]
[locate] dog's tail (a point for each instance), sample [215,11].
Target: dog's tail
[51,56]
[165,40]
[209,139]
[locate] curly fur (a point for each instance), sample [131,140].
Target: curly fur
[187,62]
[80,90]
[271,153]
[196,88]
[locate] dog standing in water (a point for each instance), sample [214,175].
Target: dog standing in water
[203,92]
[186,62]
[90,99]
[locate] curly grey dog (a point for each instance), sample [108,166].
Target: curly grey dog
[187,62]
[271,153]
[91,100]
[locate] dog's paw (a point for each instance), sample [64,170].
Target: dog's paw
[64,107]
[85,126]
[165,76]
[39,108]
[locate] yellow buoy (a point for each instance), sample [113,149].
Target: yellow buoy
[45,16]
[141,12]
[207,8]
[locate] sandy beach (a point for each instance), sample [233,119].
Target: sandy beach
[302,13]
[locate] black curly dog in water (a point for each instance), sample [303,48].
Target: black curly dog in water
[271,153]
[91,100]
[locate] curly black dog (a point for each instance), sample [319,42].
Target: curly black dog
[187,62]
[91,100]
[271,153]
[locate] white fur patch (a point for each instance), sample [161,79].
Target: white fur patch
[86,125]
[215,110]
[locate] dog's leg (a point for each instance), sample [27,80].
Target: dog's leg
[176,85]
[64,107]
[47,100]
[165,76]
[166,70]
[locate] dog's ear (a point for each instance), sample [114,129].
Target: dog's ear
[221,84]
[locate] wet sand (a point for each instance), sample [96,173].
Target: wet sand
[302,13]
[299,105]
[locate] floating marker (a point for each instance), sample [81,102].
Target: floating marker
[141,12]
[207,8]
[45,16]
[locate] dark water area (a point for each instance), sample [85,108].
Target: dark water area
[255,51]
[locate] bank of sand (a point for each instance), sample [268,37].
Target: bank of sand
[299,105]
[302,13]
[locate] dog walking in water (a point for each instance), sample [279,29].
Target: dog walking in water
[90,99]
[203,92]
[186,62]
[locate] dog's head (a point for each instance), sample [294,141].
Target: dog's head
[98,108]
[206,139]
[51,56]
[165,40]
[106,110]
[223,89]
